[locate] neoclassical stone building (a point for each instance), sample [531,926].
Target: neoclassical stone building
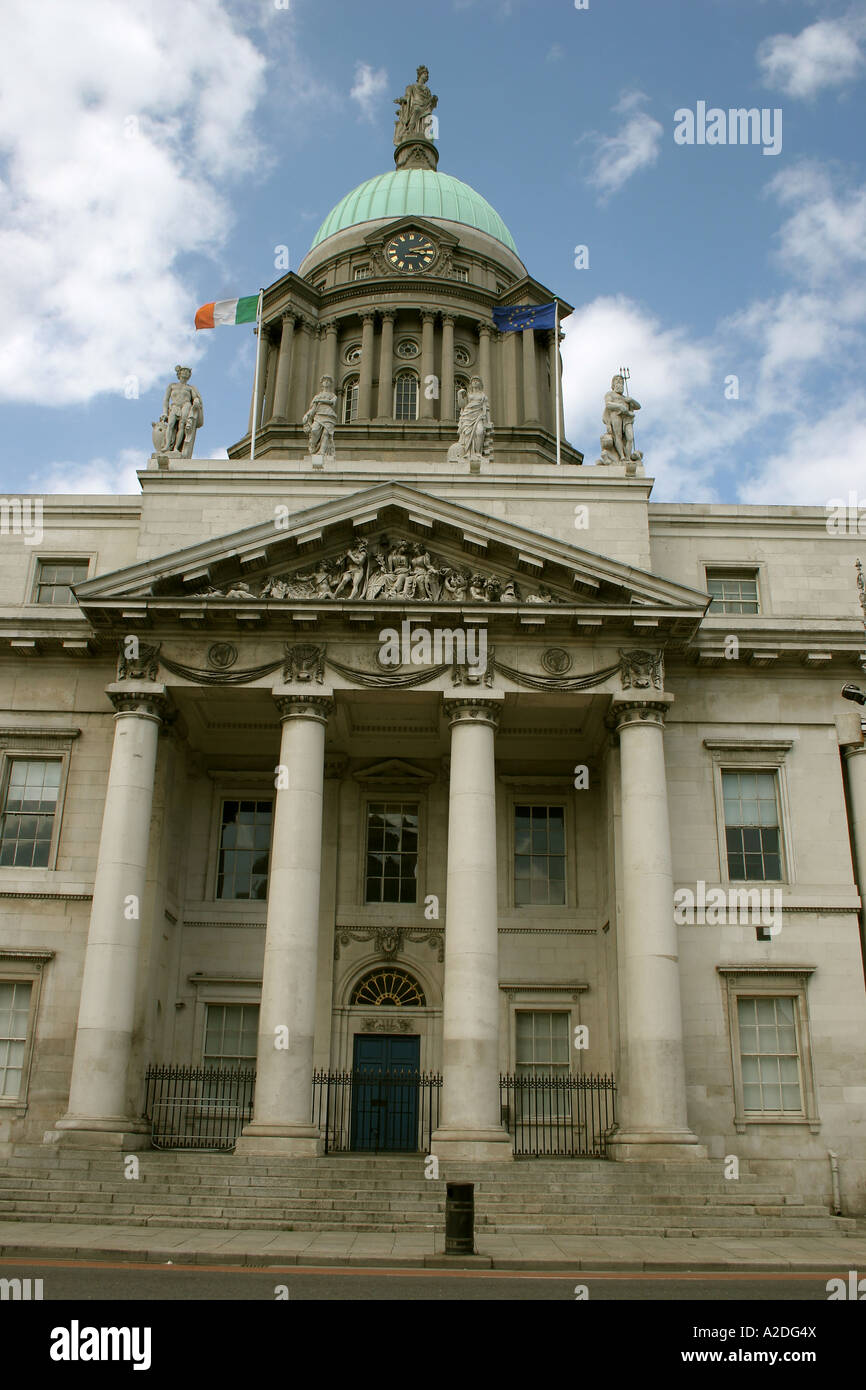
[242,828]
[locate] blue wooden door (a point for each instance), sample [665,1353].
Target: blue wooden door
[385,1093]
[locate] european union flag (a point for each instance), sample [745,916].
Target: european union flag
[514,317]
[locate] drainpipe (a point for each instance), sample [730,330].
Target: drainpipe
[837,1191]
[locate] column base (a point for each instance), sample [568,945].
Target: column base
[84,1132]
[655,1146]
[472,1145]
[296,1141]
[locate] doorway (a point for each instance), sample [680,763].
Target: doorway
[385,1093]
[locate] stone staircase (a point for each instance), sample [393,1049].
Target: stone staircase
[356,1192]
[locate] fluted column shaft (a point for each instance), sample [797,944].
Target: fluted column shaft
[427,404]
[365,384]
[284,368]
[446,399]
[386,366]
[530,378]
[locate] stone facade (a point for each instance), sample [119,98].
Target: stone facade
[606,689]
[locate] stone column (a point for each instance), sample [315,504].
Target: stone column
[284,368]
[301,355]
[99,1101]
[470,1126]
[484,332]
[426,405]
[386,366]
[553,342]
[530,378]
[446,398]
[653,1124]
[284,1067]
[271,382]
[510,411]
[855,768]
[329,352]
[365,383]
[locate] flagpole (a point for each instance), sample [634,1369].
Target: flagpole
[558,372]
[256,377]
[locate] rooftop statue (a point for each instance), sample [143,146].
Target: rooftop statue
[182,414]
[320,420]
[617,442]
[474,427]
[415,105]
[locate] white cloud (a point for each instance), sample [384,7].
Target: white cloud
[821,459]
[825,54]
[368,87]
[778,438]
[616,158]
[116,163]
[98,475]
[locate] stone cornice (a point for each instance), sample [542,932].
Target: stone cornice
[25,954]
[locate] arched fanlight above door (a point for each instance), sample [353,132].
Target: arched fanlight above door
[389,987]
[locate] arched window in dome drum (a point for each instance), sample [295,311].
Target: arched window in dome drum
[406,396]
[461,383]
[350,399]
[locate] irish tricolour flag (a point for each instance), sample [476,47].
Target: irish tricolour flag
[227,311]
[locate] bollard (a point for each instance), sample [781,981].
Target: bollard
[459,1218]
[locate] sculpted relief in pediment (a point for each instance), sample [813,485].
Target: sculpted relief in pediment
[391,568]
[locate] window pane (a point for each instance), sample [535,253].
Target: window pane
[392,852]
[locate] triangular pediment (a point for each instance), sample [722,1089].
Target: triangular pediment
[389,546]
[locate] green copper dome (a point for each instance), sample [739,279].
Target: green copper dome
[424,192]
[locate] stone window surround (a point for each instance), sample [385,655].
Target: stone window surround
[535,794]
[232,787]
[42,742]
[753,755]
[219,989]
[18,966]
[534,997]
[42,556]
[773,981]
[393,791]
[759,567]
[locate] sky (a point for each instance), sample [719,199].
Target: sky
[157,155]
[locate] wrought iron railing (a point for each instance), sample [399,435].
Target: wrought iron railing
[380,1112]
[558,1116]
[376,1112]
[198,1107]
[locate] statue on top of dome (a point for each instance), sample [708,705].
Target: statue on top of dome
[415,106]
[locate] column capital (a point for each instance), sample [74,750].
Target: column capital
[388,314]
[631,709]
[289,318]
[850,750]
[477,709]
[367,315]
[306,324]
[449,319]
[292,704]
[146,699]
[429,315]
[484,329]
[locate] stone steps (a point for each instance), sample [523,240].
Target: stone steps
[371,1193]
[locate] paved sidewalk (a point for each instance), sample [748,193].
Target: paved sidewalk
[143,1244]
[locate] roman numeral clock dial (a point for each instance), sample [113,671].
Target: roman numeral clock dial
[410,252]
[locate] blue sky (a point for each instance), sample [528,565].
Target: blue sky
[153,156]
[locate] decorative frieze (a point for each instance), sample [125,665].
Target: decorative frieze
[390,942]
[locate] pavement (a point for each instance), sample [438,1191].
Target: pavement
[518,1250]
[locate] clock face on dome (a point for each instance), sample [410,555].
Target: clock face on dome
[410,251]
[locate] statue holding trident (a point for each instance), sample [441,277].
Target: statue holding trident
[415,105]
[617,442]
